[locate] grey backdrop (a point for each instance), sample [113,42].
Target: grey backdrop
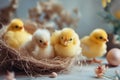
[89,10]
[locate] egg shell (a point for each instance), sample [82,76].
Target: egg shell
[113,57]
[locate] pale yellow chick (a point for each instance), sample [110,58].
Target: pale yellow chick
[66,43]
[39,47]
[94,45]
[105,2]
[15,35]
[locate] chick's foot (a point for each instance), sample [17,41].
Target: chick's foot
[97,61]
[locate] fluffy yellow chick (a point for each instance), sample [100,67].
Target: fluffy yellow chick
[15,35]
[105,2]
[94,45]
[66,43]
[40,47]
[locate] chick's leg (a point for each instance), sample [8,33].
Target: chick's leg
[97,61]
[94,60]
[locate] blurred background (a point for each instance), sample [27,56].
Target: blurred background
[89,12]
[82,15]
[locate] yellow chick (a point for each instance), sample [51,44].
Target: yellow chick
[105,2]
[94,45]
[66,43]
[39,47]
[15,35]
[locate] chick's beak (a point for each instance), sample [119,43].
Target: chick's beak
[106,40]
[65,43]
[43,45]
[20,27]
[46,43]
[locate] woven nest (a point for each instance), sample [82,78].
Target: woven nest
[11,60]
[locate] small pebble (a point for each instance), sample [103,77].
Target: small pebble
[53,75]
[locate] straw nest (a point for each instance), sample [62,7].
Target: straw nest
[10,59]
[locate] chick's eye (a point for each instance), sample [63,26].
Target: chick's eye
[40,41]
[70,39]
[16,26]
[101,37]
[61,37]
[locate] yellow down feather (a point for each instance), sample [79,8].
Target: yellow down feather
[94,45]
[15,35]
[66,43]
